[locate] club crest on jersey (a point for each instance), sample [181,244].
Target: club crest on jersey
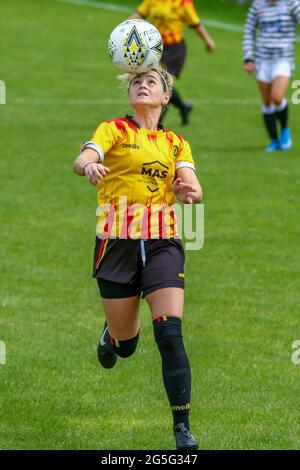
[134,48]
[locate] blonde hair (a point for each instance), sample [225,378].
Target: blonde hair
[166,78]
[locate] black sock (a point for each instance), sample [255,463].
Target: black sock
[176,100]
[175,366]
[270,117]
[122,348]
[282,114]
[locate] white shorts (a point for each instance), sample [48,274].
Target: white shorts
[267,71]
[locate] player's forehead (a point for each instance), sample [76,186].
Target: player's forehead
[148,74]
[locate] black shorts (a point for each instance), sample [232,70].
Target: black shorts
[126,268]
[173,57]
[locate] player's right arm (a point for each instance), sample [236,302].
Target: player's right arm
[249,38]
[90,161]
[87,164]
[141,12]
[136,16]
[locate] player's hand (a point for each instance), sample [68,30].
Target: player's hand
[210,45]
[95,172]
[249,67]
[184,192]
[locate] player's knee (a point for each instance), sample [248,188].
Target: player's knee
[168,336]
[169,346]
[267,102]
[167,332]
[127,348]
[276,99]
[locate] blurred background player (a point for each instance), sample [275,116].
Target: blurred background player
[151,167]
[170,17]
[269,38]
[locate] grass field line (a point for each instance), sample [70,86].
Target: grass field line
[118,8]
[100,5]
[121,9]
[104,101]
[112,7]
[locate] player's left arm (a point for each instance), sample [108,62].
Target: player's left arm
[186,186]
[192,19]
[296,11]
[209,42]
[141,12]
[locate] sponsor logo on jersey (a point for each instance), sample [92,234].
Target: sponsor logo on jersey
[131,146]
[155,170]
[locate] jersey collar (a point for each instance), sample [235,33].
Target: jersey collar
[160,127]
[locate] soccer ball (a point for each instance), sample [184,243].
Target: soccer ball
[135,46]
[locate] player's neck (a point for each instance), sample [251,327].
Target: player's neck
[147,118]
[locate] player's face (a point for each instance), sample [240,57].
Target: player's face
[147,89]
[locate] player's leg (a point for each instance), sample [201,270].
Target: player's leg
[162,282]
[122,317]
[115,262]
[278,91]
[269,114]
[166,307]
[121,329]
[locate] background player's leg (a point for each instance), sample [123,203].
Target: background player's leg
[269,115]
[166,307]
[184,108]
[265,91]
[173,58]
[278,91]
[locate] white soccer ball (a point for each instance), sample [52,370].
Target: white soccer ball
[135,46]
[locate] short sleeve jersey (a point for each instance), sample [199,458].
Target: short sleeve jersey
[142,163]
[170,17]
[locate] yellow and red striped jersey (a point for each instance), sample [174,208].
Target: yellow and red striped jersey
[142,167]
[170,17]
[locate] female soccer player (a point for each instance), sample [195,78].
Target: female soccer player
[170,17]
[134,160]
[270,55]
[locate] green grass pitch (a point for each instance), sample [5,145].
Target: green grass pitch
[242,289]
